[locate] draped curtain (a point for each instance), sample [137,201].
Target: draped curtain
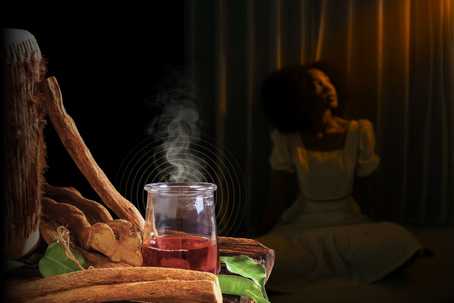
[396,59]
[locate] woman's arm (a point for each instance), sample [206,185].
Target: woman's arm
[367,168]
[282,193]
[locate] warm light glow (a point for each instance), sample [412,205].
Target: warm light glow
[406,83]
[379,63]
[449,9]
[278,34]
[349,38]
[407,33]
[321,34]
[303,35]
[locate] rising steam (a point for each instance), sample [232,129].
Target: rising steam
[178,128]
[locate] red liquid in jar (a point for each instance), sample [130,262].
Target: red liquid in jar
[181,251]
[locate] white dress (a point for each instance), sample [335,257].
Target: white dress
[324,233]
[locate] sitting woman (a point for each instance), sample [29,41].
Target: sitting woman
[322,232]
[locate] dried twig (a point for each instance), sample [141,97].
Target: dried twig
[110,284]
[123,244]
[94,211]
[79,152]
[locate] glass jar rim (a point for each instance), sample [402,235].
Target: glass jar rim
[180,187]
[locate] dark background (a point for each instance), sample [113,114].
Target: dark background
[108,61]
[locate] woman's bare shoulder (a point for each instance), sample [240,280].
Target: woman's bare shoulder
[342,121]
[344,124]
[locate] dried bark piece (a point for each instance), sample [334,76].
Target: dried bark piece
[99,237]
[94,211]
[122,246]
[48,230]
[70,217]
[129,242]
[109,284]
[117,240]
[102,238]
[99,261]
[163,291]
[79,152]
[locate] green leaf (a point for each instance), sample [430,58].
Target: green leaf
[240,286]
[248,268]
[55,262]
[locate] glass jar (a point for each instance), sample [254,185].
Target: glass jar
[180,228]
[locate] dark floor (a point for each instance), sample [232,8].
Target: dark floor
[428,279]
